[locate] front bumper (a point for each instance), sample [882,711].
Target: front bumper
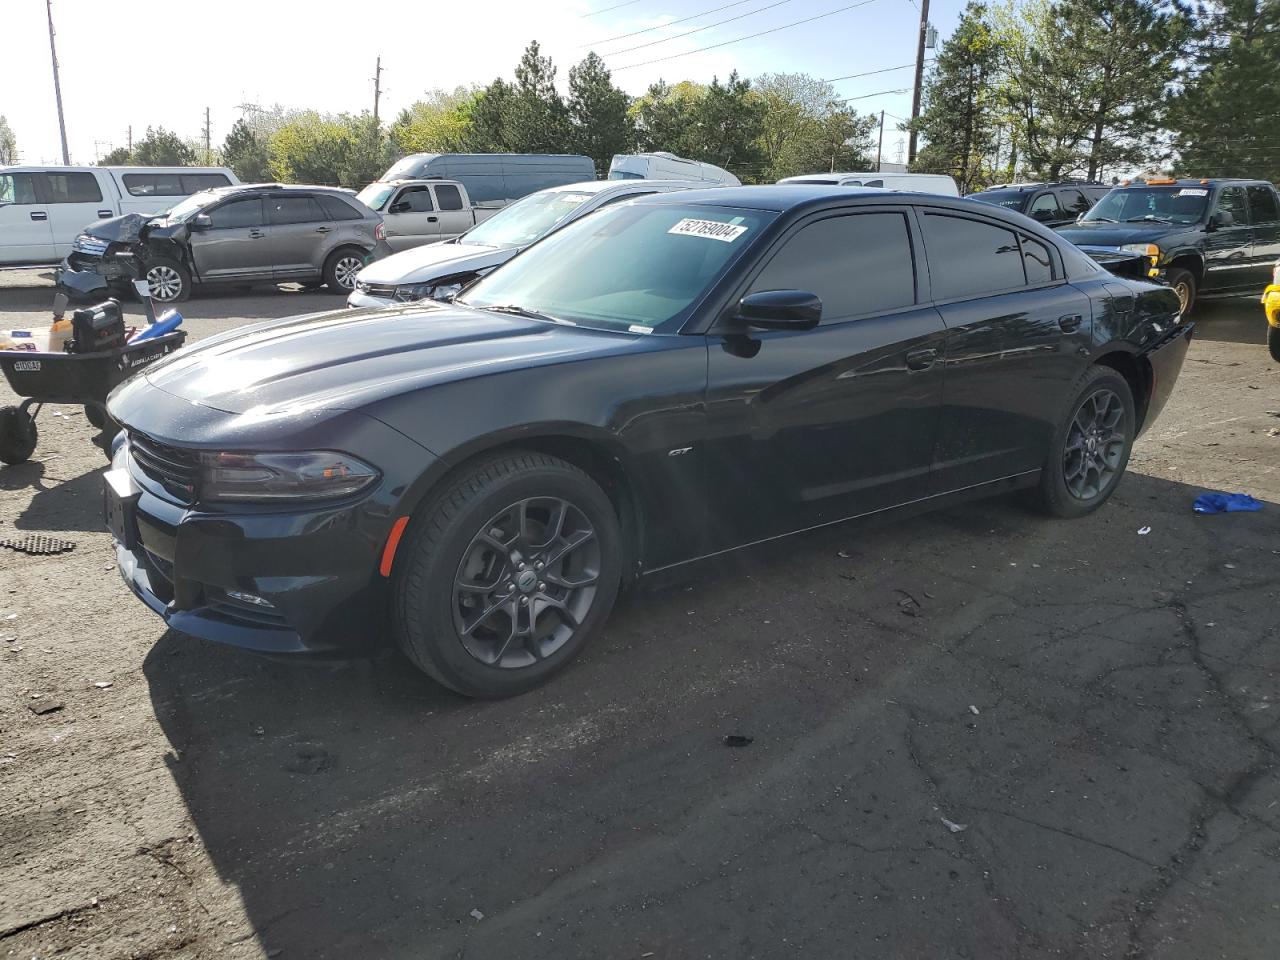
[1271,304]
[358,298]
[1166,361]
[316,568]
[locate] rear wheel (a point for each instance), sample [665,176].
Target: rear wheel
[1183,283]
[507,574]
[95,416]
[341,268]
[1090,449]
[18,435]
[1273,342]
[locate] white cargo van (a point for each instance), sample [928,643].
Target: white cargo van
[667,166]
[918,182]
[43,209]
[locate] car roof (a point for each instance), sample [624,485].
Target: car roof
[785,197]
[1189,182]
[619,186]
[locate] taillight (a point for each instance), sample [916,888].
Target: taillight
[379,232]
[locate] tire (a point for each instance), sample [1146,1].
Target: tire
[18,435]
[95,416]
[462,555]
[1273,342]
[341,268]
[1183,283]
[1072,481]
[169,280]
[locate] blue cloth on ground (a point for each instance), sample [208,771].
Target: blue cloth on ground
[1225,503]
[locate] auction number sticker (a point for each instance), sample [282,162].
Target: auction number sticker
[708,229]
[1189,192]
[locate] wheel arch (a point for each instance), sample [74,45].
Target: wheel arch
[1191,261]
[1136,371]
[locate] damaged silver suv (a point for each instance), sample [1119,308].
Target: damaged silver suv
[244,234]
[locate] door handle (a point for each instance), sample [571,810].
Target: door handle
[1070,323]
[39,215]
[433,219]
[323,229]
[256,234]
[104,214]
[921,359]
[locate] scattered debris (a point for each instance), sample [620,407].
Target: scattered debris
[42,705]
[973,710]
[1143,531]
[1213,502]
[738,740]
[953,826]
[38,544]
[103,684]
[477,914]
[908,604]
[844,554]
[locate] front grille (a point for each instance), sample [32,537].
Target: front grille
[174,469]
[385,290]
[94,246]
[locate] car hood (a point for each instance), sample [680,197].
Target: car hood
[1118,234]
[351,359]
[131,227]
[434,261]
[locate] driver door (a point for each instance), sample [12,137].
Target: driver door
[1228,247]
[236,244]
[411,219]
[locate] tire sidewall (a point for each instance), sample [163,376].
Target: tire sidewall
[331,268]
[1177,275]
[1273,342]
[430,632]
[18,436]
[183,274]
[1056,496]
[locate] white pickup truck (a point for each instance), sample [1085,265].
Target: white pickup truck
[44,209]
[415,212]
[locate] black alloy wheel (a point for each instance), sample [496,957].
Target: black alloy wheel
[1091,447]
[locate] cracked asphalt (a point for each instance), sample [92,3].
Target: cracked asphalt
[977,734]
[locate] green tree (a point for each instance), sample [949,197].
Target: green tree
[1224,118]
[805,127]
[345,150]
[728,121]
[8,144]
[245,154]
[664,116]
[119,157]
[486,119]
[534,116]
[162,148]
[958,117]
[598,113]
[438,123]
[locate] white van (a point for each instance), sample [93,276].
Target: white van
[43,209]
[667,166]
[917,182]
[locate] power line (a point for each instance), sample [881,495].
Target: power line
[669,23]
[689,33]
[879,93]
[750,36]
[869,73]
[616,6]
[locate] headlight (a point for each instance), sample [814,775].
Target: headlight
[310,475]
[1143,249]
[1275,274]
[408,292]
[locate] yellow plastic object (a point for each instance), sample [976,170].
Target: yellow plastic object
[1271,303]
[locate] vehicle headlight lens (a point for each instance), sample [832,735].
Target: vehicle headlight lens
[408,292]
[309,475]
[1143,249]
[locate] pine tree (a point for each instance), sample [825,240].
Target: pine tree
[245,154]
[598,113]
[534,118]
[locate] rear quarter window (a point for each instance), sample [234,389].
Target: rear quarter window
[970,258]
[73,188]
[336,208]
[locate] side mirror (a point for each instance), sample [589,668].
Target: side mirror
[400,206]
[780,310]
[201,221]
[1043,216]
[1222,218]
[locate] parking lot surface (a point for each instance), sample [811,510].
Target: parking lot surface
[978,733]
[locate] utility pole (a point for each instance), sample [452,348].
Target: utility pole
[880,149]
[915,96]
[57,86]
[208,155]
[131,138]
[377,88]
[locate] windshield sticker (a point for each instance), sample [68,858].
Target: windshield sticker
[637,328]
[573,197]
[708,229]
[1193,193]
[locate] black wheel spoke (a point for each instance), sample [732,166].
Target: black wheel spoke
[1095,444]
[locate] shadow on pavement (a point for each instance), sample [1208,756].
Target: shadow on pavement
[257,302]
[57,503]
[1079,701]
[1236,320]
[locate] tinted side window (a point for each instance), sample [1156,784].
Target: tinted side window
[1074,202]
[1232,201]
[284,210]
[73,188]
[1262,204]
[17,188]
[448,196]
[1037,261]
[338,209]
[418,199]
[1045,207]
[153,185]
[970,259]
[856,264]
[237,213]
[195,182]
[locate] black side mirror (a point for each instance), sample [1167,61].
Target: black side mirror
[400,206]
[201,221]
[780,310]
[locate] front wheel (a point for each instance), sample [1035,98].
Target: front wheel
[1090,449]
[341,268]
[170,281]
[1183,283]
[18,435]
[506,575]
[1273,342]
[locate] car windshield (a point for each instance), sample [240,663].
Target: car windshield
[526,220]
[636,267]
[625,175]
[185,209]
[1157,204]
[1009,199]
[375,195]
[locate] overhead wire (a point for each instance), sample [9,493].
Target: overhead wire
[689,33]
[868,73]
[616,6]
[669,23]
[750,36]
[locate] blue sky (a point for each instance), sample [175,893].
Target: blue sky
[170,60]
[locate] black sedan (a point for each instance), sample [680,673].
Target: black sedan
[661,382]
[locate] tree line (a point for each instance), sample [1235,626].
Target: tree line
[1044,90]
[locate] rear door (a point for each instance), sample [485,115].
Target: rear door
[299,236]
[1016,337]
[454,216]
[810,427]
[1044,209]
[410,219]
[25,235]
[1229,262]
[237,244]
[1265,213]
[75,201]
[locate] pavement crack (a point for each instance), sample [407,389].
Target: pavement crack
[1063,831]
[49,918]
